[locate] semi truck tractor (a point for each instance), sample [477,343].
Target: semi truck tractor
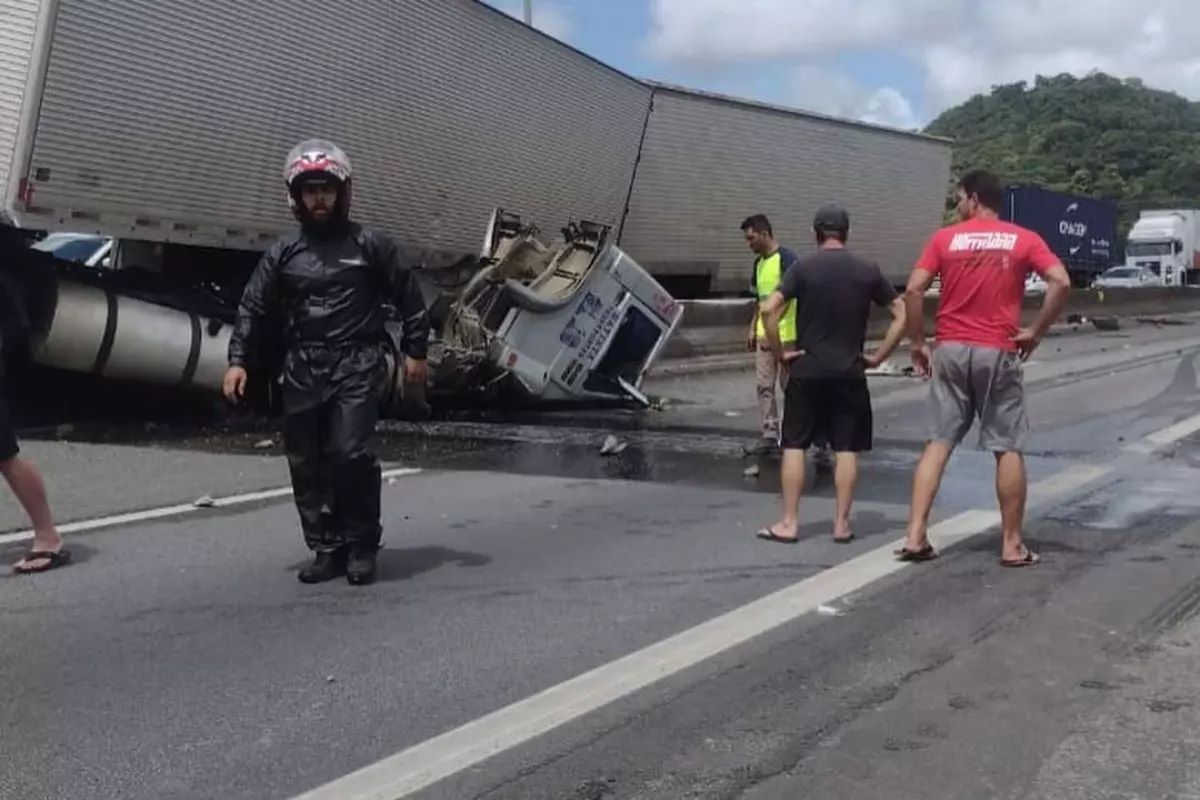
[1167,242]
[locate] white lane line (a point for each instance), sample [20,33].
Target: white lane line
[424,764]
[421,766]
[1165,437]
[145,515]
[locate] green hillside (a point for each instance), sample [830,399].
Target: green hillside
[1097,135]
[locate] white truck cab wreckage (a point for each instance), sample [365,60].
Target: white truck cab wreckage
[578,319]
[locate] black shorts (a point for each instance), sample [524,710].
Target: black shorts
[836,410]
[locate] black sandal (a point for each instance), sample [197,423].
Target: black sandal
[55,559]
[1028,560]
[769,535]
[926,553]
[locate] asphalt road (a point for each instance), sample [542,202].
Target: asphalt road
[179,657]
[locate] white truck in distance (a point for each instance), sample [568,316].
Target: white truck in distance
[1166,242]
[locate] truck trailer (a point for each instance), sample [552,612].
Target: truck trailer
[161,125]
[1080,230]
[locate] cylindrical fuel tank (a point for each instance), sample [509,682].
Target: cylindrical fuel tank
[98,332]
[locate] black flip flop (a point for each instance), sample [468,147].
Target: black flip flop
[926,553]
[769,535]
[843,540]
[55,559]
[1028,560]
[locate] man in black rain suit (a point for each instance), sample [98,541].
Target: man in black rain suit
[325,286]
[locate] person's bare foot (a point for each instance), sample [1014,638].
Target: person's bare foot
[841,531]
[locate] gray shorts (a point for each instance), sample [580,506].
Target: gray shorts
[972,382]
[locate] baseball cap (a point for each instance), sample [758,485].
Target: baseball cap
[831,217]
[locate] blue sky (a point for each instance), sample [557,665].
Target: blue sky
[620,33]
[896,62]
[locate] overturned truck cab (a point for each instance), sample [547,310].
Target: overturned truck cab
[574,320]
[537,323]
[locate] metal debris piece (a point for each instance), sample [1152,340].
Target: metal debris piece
[205,502]
[612,446]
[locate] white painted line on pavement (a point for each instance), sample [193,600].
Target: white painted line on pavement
[412,770]
[145,515]
[1165,437]
[422,765]
[1073,477]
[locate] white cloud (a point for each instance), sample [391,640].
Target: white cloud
[961,46]
[1012,40]
[831,92]
[548,17]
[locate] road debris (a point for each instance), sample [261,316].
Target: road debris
[612,446]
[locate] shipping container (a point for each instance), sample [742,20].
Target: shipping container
[1080,230]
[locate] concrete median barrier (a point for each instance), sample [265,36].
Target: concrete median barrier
[719,327]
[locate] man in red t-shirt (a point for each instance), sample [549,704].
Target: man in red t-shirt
[976,366]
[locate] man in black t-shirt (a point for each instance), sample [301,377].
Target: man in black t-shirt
[827,396]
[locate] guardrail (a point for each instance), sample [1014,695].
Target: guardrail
[720,327]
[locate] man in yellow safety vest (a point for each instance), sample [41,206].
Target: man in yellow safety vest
[771,263]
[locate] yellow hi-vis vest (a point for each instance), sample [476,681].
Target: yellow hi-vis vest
[767,274]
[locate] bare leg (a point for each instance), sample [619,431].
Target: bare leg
[792,479]
[27,484]
[926,482]
[845,478]
[1011,490]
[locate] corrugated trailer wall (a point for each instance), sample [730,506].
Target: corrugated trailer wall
[184,109]
[18,21]
[708,162]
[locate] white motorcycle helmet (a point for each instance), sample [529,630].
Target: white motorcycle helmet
[316,160]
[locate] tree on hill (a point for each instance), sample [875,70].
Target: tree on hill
[1097,135]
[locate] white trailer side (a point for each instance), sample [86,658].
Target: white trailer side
[168,120]
[18,34]
[709,161]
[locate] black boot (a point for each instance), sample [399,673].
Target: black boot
[360,569]
[325,567]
